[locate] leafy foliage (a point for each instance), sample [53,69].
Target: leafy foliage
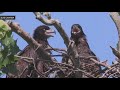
[8,46]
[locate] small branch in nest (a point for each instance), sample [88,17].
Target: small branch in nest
[83,57]
[67,65]
[69,74]
[95,61]
[111,67]
[73,55]
[56,55]
[112,75]
[106,70]
[56,49]
[99,63]
[40,73]
[30,74]
[87,74]
[26,59]
[23,71]
[62,51]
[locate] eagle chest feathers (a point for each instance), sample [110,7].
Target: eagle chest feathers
[82,47]
[84,50]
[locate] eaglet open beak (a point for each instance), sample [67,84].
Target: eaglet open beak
[49,33]
[75,30]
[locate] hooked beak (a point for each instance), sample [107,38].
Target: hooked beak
[49,33]
[75,30]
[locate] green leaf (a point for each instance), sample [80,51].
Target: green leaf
[8,46]
[4,52]
[9,68]
[2,33]
[4,25]
[14,48]
[6,61]
[5,41]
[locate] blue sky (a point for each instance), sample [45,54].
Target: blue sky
[98,26]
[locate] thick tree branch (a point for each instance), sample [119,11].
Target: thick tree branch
[116,18]
[56,24]
[73,55]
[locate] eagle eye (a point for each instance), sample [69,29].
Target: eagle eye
[44,29]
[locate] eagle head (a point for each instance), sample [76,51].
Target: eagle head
[76,31]
[43,32]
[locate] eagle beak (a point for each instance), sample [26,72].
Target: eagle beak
[50,32]
[75,30]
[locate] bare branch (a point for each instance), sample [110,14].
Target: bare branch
[23,71]
[26,59]
[73,55]
[116,18]
[87,74]
[99,63]
[95,61]
[56,55]
[56,49]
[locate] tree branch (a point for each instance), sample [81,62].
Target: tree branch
[95,61]
[116,18]
[73,55]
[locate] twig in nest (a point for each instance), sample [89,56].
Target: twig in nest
[69,74]
[56,49]
[95,61]
[87,74]
[99,63]
[40,73]
[23,71]
[112,75]
[30,73]
[26,59]
[108,70]
[56,55]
